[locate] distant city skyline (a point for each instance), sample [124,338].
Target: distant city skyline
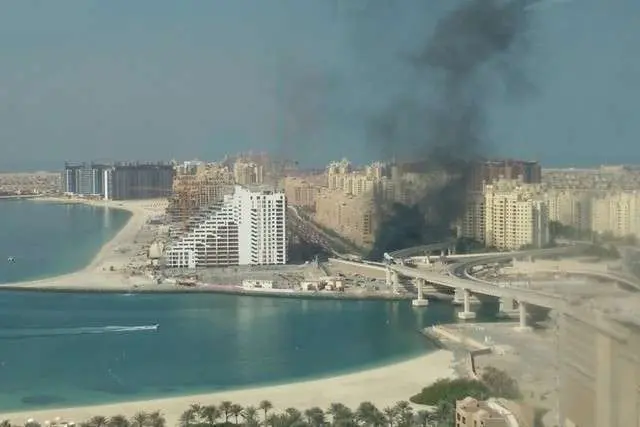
[161,80]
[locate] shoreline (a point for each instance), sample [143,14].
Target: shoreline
[401,380]
[98,273]
[97,276]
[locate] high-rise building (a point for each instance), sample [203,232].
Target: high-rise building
[84,179]
[488,171]
[617,213]
[300,192]
[139,181]
[248,173]
[515,215]
[246,228]
[599,363]
[570,207]
[353,217]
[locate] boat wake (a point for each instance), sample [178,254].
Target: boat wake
[53,332]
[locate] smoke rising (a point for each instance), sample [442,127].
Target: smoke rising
[474,53]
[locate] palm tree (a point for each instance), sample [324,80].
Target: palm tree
[315,417]
[444,411]
[196,408]
[188,418]
[340,413]
[98,421]
[236,410]
[390,415]
[156,419]
[210,413]
[139,419]
[225,407]
[293,416]
[250,415]
[275,420]
[369,415]
[404,413]
[118,421]
[423,417]
[266,406]
[5,423]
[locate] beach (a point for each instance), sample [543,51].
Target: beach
[383,386]
[105,271]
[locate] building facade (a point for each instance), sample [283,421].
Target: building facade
[489,171]
[353,217]
[599,366]
[617,213]
[126,181]
[515,215]
[248,173]
[570,207]
[246,228]
[84,179]
[301,192]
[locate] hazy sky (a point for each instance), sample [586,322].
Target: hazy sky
[162,79]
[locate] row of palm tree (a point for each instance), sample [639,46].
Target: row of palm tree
[367,414]
[229,414]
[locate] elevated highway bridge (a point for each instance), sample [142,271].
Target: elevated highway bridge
[458,279]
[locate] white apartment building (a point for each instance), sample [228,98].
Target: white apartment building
[617,213]
[570,207]
[515,215]
[246,228]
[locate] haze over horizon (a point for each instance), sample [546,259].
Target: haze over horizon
[158,79]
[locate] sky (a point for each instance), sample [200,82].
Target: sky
[302,79]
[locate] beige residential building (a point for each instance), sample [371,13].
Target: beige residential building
[302,193]
[617,213]
[570,207]
[353,217]
[342,177]
[248,173]
[599,364]
[515,215]
[471,412]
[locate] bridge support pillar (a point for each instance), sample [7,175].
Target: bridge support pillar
[388,278]
[395,281]
[458,296]
[466,313]
[508,309]
[421,301]
[522,309]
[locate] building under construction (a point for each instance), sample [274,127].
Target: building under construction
[194,189]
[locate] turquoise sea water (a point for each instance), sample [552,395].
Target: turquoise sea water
[56,349]
[49,239]
[67,349]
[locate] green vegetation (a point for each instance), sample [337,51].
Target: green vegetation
[451,390]
[228,414]
[500,384]
[444,393]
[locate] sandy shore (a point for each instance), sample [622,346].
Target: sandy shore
[116,253]
[383,386]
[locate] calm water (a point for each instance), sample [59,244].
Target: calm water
[205,342]
[49,239]
[58,348]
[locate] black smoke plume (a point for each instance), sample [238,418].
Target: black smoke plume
[464,62]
